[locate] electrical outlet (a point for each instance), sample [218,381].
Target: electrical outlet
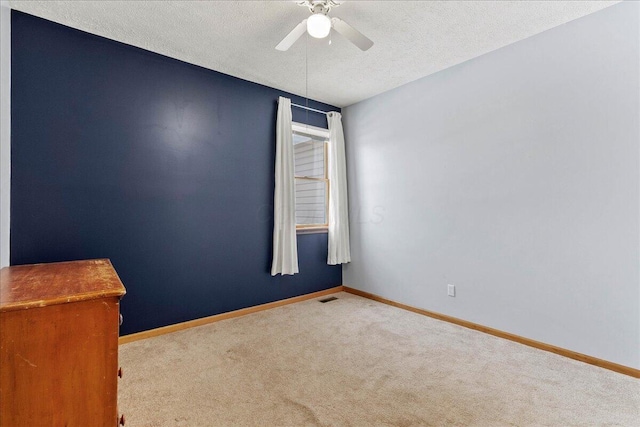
[451,290]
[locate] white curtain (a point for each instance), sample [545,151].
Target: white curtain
[339,250]
[285,245]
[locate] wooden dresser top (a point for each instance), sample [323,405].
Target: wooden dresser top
[40,285]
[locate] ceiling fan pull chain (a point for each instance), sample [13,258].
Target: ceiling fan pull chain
[306,77]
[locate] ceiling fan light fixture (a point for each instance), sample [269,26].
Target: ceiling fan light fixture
[319,25]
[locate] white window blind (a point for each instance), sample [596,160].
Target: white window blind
[310,151]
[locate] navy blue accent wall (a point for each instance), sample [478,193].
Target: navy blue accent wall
[164,167]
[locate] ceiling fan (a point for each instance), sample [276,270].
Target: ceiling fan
[319,25]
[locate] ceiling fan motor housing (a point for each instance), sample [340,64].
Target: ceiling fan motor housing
[320,6]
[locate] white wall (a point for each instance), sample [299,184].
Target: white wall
[5,129]
[515,177]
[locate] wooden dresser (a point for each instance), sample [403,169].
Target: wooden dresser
[59,344]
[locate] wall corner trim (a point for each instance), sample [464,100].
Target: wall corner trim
[5,130]
[626,370]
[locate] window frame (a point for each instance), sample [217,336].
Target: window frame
[314,131]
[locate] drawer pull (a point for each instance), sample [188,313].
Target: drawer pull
[120,372]
[121,420]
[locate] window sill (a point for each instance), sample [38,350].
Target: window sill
[312,230]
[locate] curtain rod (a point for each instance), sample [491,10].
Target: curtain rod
[308,108]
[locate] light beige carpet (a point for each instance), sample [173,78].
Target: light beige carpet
[356,362]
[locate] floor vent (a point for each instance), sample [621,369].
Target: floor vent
[328,299]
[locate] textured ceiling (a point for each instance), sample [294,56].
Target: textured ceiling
[412,38]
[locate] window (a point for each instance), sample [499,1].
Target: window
[311,177]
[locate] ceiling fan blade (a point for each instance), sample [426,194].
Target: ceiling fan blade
[351,34]
[294,35]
